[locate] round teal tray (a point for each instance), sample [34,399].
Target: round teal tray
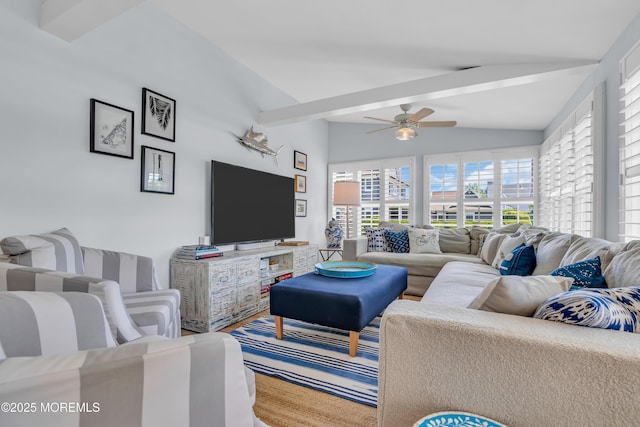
[346,269]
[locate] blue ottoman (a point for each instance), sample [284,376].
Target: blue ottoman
[349,304]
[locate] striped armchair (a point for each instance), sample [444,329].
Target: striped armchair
[60,366]
[61,264]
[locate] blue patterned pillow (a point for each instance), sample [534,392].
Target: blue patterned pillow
[376,241]
[520,262]
[628,296]
[585,274]
[398,241]
[588,308]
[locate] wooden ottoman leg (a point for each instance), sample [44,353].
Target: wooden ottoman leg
[278,320]
[353,343]
[401,296]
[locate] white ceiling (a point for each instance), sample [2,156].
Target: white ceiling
[323,49]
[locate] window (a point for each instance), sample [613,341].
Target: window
[569,183]
[486,189]
[386,192]
[630,146]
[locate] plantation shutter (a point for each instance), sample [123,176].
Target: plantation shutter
[443,194]
[567,173]
[386,194]
[630,146]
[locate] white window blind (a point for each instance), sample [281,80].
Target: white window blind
[567,173]
[386,192]
[630,146]
[486,189]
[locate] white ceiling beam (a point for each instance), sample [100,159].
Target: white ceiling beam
[441,86]
[70,19]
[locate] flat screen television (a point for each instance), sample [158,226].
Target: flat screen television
[249,205]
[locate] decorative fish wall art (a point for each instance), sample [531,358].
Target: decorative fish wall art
[258,141]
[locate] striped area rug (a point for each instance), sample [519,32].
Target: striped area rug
[314,356]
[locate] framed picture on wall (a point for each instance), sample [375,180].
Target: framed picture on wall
[301,207]
[111,130]
[299,160]
[158,171]
[301,184]
[158,115]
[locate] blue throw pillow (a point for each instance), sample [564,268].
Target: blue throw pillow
[588,308]
[398,241]
[585,274]
[520,262]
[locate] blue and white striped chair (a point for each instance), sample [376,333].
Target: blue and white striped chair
[60,366]
[60,258]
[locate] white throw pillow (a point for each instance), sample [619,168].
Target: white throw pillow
[508,244]
[423,241]
[519,295]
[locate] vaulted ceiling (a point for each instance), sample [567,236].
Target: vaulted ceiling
[342,60]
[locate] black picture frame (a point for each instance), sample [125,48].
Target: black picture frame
[301,183]
[301,207]
[157,170]
[158,115]
[299,160]
[111,129]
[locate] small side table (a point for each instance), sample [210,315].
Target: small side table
[327,253]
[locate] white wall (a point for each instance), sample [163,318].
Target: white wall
[608,71]
[48,177]
[349,142]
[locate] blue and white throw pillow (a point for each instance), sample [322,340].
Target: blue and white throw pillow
[585,274]
[376,241]
[398,241]
[589,308]
[520,262]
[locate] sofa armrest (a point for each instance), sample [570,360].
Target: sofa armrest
[517,370]
[134,273]
[352,248]
[188,381]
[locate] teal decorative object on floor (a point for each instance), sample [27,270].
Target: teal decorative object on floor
[314,356]
[456,419]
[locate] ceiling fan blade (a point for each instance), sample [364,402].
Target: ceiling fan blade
[420,114]
[378,130]
[436,124]
[382,120]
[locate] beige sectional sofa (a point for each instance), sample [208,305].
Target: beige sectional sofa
[456,244]
[437,354]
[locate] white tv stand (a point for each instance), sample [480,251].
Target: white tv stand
[217,292]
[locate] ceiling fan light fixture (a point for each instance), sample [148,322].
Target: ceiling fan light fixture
[405,133]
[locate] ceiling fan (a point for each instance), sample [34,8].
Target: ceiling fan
[406,123]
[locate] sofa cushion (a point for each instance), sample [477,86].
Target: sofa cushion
[623,269]
[422,241]
[508,244]
[459,283]
[519,295]
[490,246]
[583,248]
[550,251]
[398,241]
[509,228]
[476,233]
[376,241]
[520,262]
[455,240]
[426,265]
[585,274]
[58,250]
[588,308]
